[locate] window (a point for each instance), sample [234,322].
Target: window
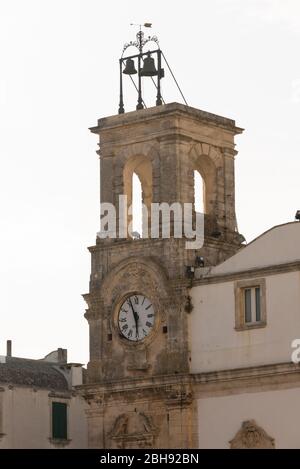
[59,421]
[250,304]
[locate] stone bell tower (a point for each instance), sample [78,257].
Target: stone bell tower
[139,391]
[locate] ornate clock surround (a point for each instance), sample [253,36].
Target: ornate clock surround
[164,350]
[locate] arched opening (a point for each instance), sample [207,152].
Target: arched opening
[137,180]
[137,201]
[199,193]
[205,184]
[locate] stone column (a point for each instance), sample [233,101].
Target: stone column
[229,188]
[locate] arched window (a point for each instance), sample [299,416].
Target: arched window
[137,200]
[137,179]
[199,192]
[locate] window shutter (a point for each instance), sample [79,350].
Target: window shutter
[59,420]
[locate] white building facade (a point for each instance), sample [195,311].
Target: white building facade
[245,319]
[39,406]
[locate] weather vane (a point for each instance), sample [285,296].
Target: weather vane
[140,41]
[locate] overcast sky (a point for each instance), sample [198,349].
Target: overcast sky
[59,74]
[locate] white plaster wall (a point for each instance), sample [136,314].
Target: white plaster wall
[27,419]
[277,412]
[216,345]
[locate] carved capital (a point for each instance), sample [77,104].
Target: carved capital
[229,152]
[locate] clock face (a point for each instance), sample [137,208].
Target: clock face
[136,317]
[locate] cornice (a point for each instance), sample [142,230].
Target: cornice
[245,373]
[105,244]
[244,380]
[223,382]
[134,384]
[173,109]
[250,273]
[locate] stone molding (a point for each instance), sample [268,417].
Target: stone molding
[224,382]
[251,273]
[129,118]
[250,379]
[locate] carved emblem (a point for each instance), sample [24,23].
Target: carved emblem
[134,277]
[252,436]
[134,430]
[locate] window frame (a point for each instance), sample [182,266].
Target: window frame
[240,313]
[55,406]
[59,441]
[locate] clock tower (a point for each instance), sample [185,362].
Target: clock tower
[140,388]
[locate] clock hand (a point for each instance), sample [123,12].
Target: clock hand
[136,317]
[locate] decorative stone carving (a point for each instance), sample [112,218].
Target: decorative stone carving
[134,430]
[95,306]
[179,396]
[133,275]
[251,436]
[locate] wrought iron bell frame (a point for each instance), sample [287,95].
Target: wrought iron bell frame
[140,43]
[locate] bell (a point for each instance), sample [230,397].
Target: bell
[148,69]
[129,67]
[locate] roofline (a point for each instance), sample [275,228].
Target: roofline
[270,229]
[255,239]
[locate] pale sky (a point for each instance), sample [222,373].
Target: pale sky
[59,74]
